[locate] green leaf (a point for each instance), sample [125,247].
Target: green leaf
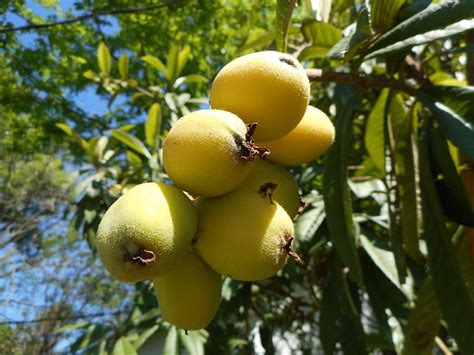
[451,192]
[124,347]
[131,142]
[455,127]
[188,79]
[437,21]
[123,66]
[143,337]
[459,98]
[309,222]
[153,125]
[340,319]
[172,61]
[261,41]
[157,64]
[374,137]
[194,341]
[284,10]
[172,344]
[89,74]
[69,327]
[455,303]
[183,58]
[383,14]
[337,195]
[104,59]
[423,322]
[320,33]
[74,135]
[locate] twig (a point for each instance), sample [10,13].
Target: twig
[366,81]
[442,346]
[48,319]
[91,15]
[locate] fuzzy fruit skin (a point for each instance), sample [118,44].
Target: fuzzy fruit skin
[262,88]
[190,294]
[309,140]
[243,235]
[202,152]
[286,193]
[153,216]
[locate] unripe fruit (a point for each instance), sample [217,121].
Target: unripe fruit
[146,232]
[190,294]
[286,192]
[207,152]
[243,235]
[270,88]
[309,140]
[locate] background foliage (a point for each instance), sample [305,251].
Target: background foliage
[387,231]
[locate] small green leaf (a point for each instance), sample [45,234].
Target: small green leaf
[194,341]
[383,14]
[157,64]
[454,299]
[309,222]
[284,10]
[143,337]
[183,58]
[131,142]
[172,344]
[320,33]
[172,61]
[458,98]
[123,346]
[374,137]
[123,66]
[153,125]
[89,74]
[337,195]
[104,59]
[66,328]
[188,79]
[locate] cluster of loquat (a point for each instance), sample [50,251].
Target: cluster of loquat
[230,211]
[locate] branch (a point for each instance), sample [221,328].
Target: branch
[48,319]
[92,15]
[366,81]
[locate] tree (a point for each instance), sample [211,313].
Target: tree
[386,232]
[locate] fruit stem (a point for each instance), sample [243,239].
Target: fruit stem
[142,257]
[267,190]
[294,255]
[248,148]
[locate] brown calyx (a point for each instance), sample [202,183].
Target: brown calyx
[287,61]
[267,190]
[142,257]
[294,255]
[248,148]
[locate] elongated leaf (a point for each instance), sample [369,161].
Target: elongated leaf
[172,344]
[153,125]
[69,327]
[383,13]
[435,17]
[183,58]
[194,341]
[455,303]
[458,98]
[123,346]
[74,135]
[158,65]
[261,41]
[284,10]
[143,337]
[104,59]
[374,137]
[188,79]
[320,33]
[455,127]
[309,222]
[123,66]
[340,319]
[451,191]
[337,195]
[401,138]
[423,323]
[131,141]
[172,61]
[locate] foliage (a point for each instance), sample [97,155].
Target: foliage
[385,229]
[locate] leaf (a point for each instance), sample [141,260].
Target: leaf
[188,79]
[320,33]
[76,136]
[183,58]
[131,142]
[123,66]
[104,59]
[143,337]
[153,125]
[172,61]
[284,10]
[339,319]
[157,64]
[69,327]
[458,98]
[194,341]
[309,222]
[451,192]
[172,345]
[455,127]
[263,40]
[374,137]
[455,303]
[337,195]
[124,347]
[89,74]
[446,17]
[383,14]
